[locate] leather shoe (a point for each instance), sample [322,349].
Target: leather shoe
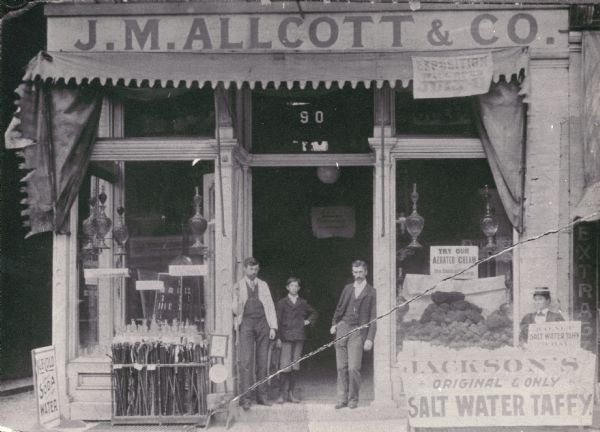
[352,404]
[265,402]
[246,405]
[340,405]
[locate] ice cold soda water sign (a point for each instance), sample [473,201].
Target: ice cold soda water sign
[45,383]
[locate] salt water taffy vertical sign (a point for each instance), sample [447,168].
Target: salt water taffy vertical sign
[504,387]
[45,384]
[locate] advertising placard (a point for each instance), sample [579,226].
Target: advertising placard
[188,270]
[504,387]
[457,76]
[45,384]
[91,273]
[565,334]
[335,221]
[446,261]
[145,285]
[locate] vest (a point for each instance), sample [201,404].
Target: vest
[351,314]
[253,308]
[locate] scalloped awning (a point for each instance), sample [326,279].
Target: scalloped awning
[194,68]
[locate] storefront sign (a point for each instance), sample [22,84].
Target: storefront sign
[566,334]
[149,285]
[188,270]
[447,261]
[585,281]
[402,30]
[45,384]
[446,77]
[503,387]
[333,222]
[93,273]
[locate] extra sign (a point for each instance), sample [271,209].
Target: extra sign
[355,31]
[45,384]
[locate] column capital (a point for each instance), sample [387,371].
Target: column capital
[389,144]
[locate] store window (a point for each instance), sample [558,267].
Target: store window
[447,117]
[152,264]
[170,114]
[312,120]
[474,308]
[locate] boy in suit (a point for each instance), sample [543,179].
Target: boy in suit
[293,315]
[542,314]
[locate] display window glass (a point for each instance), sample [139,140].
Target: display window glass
[161,271]
[472,309]
[446,117]
[312,120]
[177,114]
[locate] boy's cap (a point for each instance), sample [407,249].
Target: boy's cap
[543,291]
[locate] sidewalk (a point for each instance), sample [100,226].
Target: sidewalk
[18,412]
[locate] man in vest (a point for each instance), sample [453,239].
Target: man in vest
[356,307]
[255,322]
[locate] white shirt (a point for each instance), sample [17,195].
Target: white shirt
[292,298]
[240,295]
[251,283]
[541,318]
[359,287]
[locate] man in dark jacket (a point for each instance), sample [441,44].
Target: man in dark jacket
[356,307]
[542,314]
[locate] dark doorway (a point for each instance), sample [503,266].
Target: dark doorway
[285,242]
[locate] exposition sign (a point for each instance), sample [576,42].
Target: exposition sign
[45,384]
[456,76]
[316,31]
[564,334]
[503,387]
[447,261]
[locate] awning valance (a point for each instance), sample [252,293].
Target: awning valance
[56,125]
[198,68]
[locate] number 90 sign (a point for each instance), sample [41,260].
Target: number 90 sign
[318,117]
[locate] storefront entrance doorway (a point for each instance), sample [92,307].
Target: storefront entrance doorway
[313,230]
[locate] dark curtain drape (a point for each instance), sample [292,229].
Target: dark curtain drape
[500,120]
[55,128]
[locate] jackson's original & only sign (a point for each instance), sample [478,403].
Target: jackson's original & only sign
[402,31]
[504,387]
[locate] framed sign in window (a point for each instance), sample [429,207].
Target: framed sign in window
[218,346]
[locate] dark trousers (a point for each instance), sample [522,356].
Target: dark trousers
[348,359]
[253,333]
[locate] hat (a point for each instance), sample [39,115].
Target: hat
[542,291]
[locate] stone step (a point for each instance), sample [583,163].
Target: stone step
[319,411]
